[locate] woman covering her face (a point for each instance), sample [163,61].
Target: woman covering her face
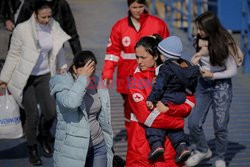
[84,134]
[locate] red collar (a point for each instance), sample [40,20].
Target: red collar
[148,73]
[143,18]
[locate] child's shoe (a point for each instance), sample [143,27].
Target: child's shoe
[156,153]
[182,153]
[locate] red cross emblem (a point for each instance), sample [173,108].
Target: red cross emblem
[126,41]
[137,97]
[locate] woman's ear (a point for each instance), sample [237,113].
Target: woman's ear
[156,57]
[35,15]
[163,58]
[74,69]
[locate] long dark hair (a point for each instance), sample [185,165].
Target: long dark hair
[138,1]
[41,4]
[150,44]
[219,39]
[80,59]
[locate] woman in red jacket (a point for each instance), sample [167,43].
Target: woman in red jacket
[120,49]
[171,117]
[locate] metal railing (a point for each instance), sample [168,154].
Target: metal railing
[184,10]
[245,34]
[187,10]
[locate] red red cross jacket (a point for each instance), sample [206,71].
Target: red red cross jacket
[138,148]
[120,49]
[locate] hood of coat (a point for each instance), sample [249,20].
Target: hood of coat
[66,81]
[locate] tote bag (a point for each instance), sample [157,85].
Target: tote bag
[10,123]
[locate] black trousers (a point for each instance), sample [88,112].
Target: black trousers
[37,92]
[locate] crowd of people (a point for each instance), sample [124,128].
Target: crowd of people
[159,90]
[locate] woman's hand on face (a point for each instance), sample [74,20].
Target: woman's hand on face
[161,107]
[207,74]
[87,70]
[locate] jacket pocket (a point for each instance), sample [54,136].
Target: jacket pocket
[76,137]
[77,131]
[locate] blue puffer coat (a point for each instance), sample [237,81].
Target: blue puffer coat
[72,129]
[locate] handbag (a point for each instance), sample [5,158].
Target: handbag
[10,123]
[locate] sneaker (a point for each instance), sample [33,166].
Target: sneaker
[154,154]
[220,163]
[197,157]
[182,153]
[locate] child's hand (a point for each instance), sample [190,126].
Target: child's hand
[196,58]
[207,74]
[150,105]
[154,80]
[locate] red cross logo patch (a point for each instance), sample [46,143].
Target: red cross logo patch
[137,97]
[126,41]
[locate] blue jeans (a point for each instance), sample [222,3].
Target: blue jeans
[97,156]
[217,95]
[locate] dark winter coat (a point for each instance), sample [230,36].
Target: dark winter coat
[8,8]
[174,82]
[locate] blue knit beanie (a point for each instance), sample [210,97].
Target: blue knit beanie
[171,47]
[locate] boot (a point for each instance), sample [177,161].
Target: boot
[45,145]
[34,158]
[44,136]
[156,153]
[182,152]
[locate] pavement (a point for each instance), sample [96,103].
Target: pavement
[94,19]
